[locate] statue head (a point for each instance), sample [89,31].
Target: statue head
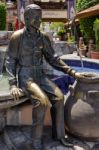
[32,16]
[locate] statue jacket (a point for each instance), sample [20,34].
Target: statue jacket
[27,50]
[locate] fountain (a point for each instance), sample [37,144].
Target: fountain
[81,99]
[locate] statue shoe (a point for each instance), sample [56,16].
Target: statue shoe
[65,142]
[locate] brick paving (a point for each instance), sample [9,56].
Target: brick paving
[19,138]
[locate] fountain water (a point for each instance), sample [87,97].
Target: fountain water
[79,52]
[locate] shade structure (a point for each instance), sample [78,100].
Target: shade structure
[92,11]
[54,15]
[57,1]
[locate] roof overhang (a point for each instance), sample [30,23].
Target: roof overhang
[43,1]
[54,15]
[92,11]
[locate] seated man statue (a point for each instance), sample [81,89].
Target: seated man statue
[26,50]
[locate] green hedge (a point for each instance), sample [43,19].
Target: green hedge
[2,16]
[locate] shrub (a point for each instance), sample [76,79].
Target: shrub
[84,4]
[86,27]
[2,16]
[96,29]
[61,32]
[86,24]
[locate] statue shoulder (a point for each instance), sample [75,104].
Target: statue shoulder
[44,34]
[47,36]
[16,35]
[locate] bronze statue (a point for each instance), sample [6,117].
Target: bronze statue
[26,50]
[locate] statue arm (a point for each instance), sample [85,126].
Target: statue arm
[12,60]
[54,60]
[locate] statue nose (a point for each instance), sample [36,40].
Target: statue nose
[35,21]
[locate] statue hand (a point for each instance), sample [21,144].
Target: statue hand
[82,75]
[16,92]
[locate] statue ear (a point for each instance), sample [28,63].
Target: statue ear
[26,20]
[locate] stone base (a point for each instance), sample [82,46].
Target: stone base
[22,115]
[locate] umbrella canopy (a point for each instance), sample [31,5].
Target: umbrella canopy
[92,11]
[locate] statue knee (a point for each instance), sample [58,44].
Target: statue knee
[44,101]
[37,93]
[60,97]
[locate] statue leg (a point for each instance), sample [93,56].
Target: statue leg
[57,111]
[57,116]
[38,114]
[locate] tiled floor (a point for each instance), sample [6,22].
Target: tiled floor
[19,138]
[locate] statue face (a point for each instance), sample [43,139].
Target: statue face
[33,18]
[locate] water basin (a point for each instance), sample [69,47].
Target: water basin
[64,80]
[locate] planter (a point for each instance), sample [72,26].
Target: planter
[95,54]
[83,52]
[62,38]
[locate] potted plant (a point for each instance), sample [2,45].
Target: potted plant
[61,34]
[95,54]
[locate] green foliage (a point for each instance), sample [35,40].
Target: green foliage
[61,32]
[84,4]
[86,24]
[59,28]
[2,16]
[96,29]
[71,39]
[56,26]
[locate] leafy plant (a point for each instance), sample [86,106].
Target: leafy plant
[61,32]
[84,4]
[57,26]
[86,24]
[96,29]
[2,16]
[71,39]
[86,27]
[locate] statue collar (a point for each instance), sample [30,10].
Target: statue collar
[31,34]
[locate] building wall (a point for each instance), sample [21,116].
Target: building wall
[12,12]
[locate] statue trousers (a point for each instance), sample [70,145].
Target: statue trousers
[43,95]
